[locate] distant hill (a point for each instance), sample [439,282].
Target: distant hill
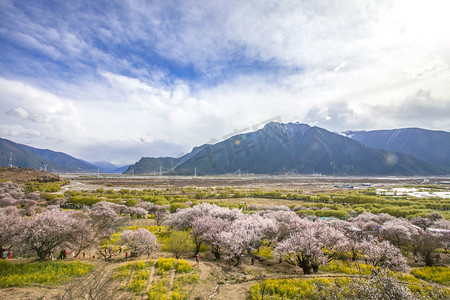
[119,170]
[148,165]
[20,175]
[107,167]
[64,160]
[28,157]
[280,148]
[429,145]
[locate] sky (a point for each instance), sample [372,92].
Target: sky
[118,80]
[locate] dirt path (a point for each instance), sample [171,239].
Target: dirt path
[233,291]
[207,283]
[172,277]
[150,278]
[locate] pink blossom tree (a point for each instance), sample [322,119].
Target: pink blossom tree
[7,200]
[139,241]
[12,228]
[434,216]
[49,230]
[384,255]
[442,224]
[399,232]
[84,235]
[161,213]
[137,212]
[103,218]
[302,249]
[425,244]
[312,245]
[368,221]
[207,229]
[423,223]
[285,222]
[245,235]
[183,219]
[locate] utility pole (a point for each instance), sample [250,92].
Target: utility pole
[160,171]
[239,172]
[195,171]
[98,173]
[10,160]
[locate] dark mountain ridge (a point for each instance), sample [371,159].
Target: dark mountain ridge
[278,148]
[40,159]
[431,146]
[63,160]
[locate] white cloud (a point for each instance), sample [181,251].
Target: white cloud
[21,113]
[18,131]
[341,65]
[18,112]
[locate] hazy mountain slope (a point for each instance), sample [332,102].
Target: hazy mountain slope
[24,158]
[151,165]
[64,160]
[119,170]
[429,145]
[107,167]
[29,157]
[299,148]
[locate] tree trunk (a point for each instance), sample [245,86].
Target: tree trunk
[315,268]
[428,258]
[306,269]
[197,246]
[238,260]
[216,253]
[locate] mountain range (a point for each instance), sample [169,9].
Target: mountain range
[298,148]
[428,145]
[275,149]
[25,156]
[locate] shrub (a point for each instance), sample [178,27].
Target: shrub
[264,252]
[140,265]
[137,285]
[158,291]
[347,268]
[22,274]
[131,202]
[382,286]
[165,264]
[177,205]
[183,266]
[51,187]
[435,274]
[179,242]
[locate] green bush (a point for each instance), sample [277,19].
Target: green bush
[158,290]
[51,187]
[337,288]
[183,266]
[165,264]
[131,202]
[435,274]
[264,252]
[48,196]
[22,274]
[177,205]
[84,200]
[179,242]
[347,268]
[137,285]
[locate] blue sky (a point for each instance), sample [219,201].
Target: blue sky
[117,80]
